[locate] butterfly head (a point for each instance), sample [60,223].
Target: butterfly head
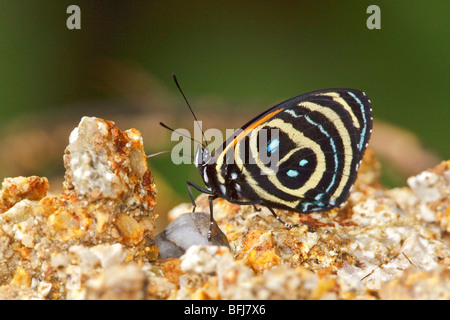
[202,157]
[204,162]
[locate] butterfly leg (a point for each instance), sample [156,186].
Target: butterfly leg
[211,216]
[287,225]
[211,198]
[191,184]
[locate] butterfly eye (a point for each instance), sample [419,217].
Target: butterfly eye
[206,157]
[202,157]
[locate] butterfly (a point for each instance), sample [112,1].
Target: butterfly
[315,143]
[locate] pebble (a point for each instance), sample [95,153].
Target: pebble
[185,231]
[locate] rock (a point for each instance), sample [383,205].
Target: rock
[96,239]
[20,188]
[53,245]
[357,250]
[104,163]
[432,187]
[185,231]
[120,282]
[213,273]
[107,177]
[418,284]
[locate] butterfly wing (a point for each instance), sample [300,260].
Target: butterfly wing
[302,154]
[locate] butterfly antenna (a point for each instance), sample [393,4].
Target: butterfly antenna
[187,102]
[181,134]
[157,154]
[162,152]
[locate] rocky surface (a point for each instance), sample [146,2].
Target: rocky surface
[61,247]
[382,244]
[96,239]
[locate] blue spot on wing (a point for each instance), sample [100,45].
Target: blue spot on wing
[273,145]
[292,173]
[303,162]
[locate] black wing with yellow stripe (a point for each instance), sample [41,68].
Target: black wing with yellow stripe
[302,154]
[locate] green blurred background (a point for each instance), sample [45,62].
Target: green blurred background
[242,56]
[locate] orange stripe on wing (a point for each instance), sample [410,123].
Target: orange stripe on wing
[250,128]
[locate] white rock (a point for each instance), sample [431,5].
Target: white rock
[425,186]
[205,259]
[109,255]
